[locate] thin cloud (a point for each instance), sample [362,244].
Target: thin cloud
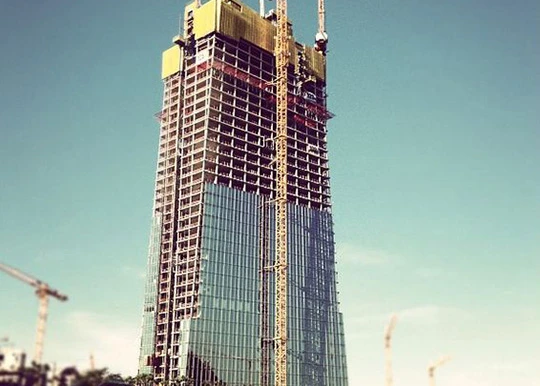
[430,314]
[114,343]
[464,379]
[524,367]
[421,315]
[353,254]
[429,273]
[522,373]
[136,272]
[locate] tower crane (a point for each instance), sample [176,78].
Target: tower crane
[321,37]
[280,264]
[281,254]
[43,291]
[388,348]
[92,362]
[431,369]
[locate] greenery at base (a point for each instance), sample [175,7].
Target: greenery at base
[40,375]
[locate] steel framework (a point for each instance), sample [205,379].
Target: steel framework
[282,61]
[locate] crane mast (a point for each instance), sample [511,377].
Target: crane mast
[431,369]
[322,28]
[282,61]
[43,291]
[321,37]
[388,349]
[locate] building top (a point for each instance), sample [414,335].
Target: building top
[236,20]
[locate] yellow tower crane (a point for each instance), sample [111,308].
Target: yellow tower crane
[281,259]
[321,37]
[388,349]
[43,291]
[431,369]
[282,62]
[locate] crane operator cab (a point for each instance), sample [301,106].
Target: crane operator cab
[321,41]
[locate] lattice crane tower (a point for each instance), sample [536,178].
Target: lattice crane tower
[43,291]
[282,61]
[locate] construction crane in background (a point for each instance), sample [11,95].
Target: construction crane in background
[388,349]
[321,37]
[280,263]
[92,362]
[431,369]
[43,291]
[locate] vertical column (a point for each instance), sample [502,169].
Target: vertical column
[166,202]
[282,61]
[264,272]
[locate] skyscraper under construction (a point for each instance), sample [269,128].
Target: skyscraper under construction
[209,306]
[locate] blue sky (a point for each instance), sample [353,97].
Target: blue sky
[435,184]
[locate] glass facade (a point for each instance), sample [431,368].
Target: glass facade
[223,344]
[150,298]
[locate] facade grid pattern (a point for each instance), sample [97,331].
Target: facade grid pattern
[215,184]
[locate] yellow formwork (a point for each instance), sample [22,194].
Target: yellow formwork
[171,61]
[236,20]
[248,25]
[316,62]
[204,19]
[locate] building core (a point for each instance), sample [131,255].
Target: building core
[208,314]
